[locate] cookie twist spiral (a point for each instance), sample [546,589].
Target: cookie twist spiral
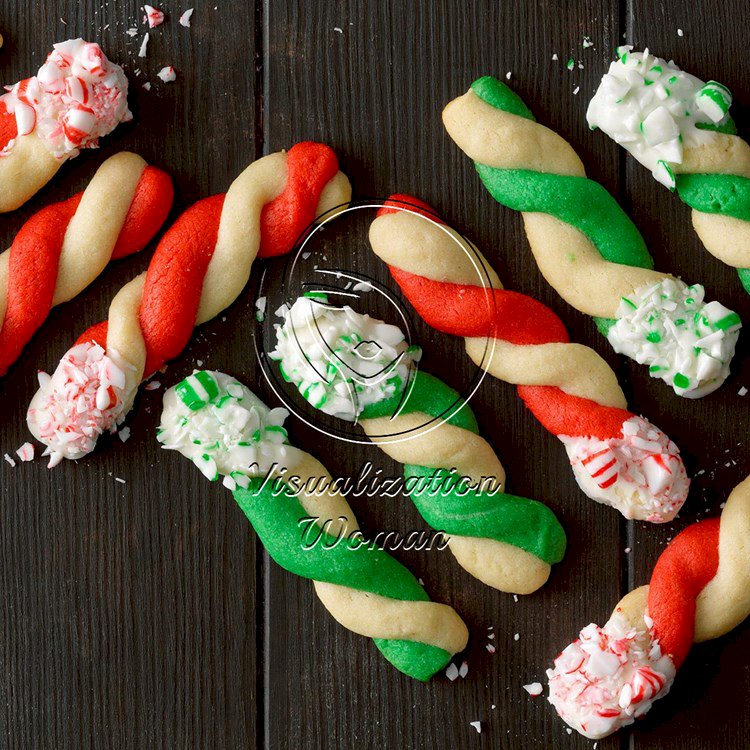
[568,387]
[61,249]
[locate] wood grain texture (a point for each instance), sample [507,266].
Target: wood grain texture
[145,614]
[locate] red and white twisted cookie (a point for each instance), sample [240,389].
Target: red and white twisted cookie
[699,590]
[61,249]
[618,458]
[199,268]
[77,96]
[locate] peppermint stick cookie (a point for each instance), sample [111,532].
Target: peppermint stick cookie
[680,128]
[305,523]
[618,458]
[76,97]
[359,368]
[586,246]
[699,590]
[198,269]
[61,249]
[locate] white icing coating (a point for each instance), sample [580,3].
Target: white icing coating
[341,361]
[686,342]
[76,97]
[639,473]
[653,109]
[82,399]
[608,677]
[229,431]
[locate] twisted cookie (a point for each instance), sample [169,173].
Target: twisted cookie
[699,590]
[305,523]
[680,128]
[77,96]
[199,268]
[618,458]
[586,246]
[61,249]
[451,473]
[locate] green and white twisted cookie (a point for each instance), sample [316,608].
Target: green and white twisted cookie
[227,431]
[359,368]
[586,246]
[680,128]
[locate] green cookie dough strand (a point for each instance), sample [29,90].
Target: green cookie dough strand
[578,201]
[462,511]
[276,515]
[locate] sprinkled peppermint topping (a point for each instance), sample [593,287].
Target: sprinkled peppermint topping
[9,460]
[653,109]
[76,97]
[144,46]
[185,18]
[167,74]
[477,725]
[341,361]
[686,342]
[219,424]
[26,452]
[639,473]
[154,17]
[608,677]
[81,400]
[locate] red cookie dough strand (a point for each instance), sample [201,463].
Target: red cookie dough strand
[681,573]
[8,129]
[35,256]
[563,414]
[468,310]
[174,281]
[32,275]
[148,210]
[402,201]
[97,334]
[310,167]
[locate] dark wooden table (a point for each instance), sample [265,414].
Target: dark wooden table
[146,614]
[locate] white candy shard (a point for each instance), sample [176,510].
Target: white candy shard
[608,677]
[185,18]
[653,109]
[533,689]
[167,74]
[26,452]
[688,343]
[154,17]
[341,361]
[76,97]
[640,473]
[231,433]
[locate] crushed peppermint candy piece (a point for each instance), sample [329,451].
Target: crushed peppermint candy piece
[687,342]
[146,86]
[340,360]
[154,17]
[76,97]
[152,385]
[655,110]
[167,74]
[533,689]
[464,670]
[608,677]
[124,434]
[477,725]
[260,307]
[131,32]
[10,461]
[490,648]
[225,429]
[451,672]
[185,18]
[26,452]
[144,45]
[120,480]
[639,473]
[742,391]
[81,400]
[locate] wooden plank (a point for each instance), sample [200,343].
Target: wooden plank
[709,698]
[371,81]
[128,615]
